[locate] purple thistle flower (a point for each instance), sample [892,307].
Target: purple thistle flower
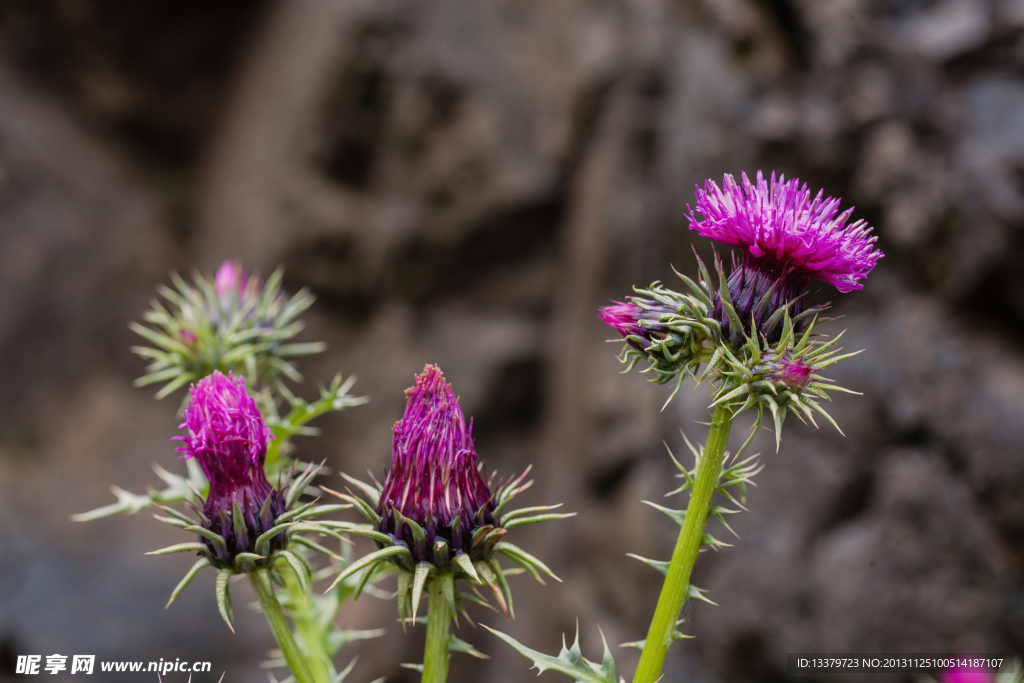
[792,372]
[436,478]
[788,240]
[228,437]
[958,675]
[626,319]
[230,278]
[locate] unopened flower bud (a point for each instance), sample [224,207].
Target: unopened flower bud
[435,481]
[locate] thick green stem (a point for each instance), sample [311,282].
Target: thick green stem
[435,653]
[275,617]
[691,537]
[310,631]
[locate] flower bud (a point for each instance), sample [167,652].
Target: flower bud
[228,438]
[435,490]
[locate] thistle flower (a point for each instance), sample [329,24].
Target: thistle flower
[788,240]
[966,675]
[229,278]
[228,438]
[794,373]
[435,516]
[637,321]
[231,322]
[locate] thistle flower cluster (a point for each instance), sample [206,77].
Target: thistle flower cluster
[437,517]
[231,322]
[752,331]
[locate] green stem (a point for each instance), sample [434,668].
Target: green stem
[435,653]
[275,617]
[310,630]
[691,537]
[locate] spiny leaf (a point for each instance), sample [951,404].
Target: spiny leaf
[570,661]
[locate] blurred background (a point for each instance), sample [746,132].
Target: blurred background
[464,183]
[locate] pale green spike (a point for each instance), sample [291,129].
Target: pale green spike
[404,582]
[692,592]
[367,560]
[524,559]
[523,521]
[298,567]
[715,357]
[638,644]
[447,581]
[488,576]
[367,575]
[203,562]
[714,543]
[512,514]
[678,635]
[284,517]
[313,545]
[679,385]
[458,645]
[371,493]
[246,562]
[777,415]
[822,412]
[499,574]
[418,534]
[181,548]
[738,391]
[661,566]
[463,562]
[238,522]
[224,597]
[169,510]
[263,542]
[423,570]
[677,516]
[685,472]
[216,539]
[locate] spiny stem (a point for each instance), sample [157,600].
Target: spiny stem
[435,653]
[691,537]
[279,626]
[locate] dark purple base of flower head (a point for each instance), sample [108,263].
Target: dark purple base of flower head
[260,505]
[748,284]
[458,536]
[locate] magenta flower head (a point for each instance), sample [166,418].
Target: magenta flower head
[435,483]
[228,437]
[966,675]
[793,373]
[435,516]
[637,321]
[788,240]
[230,278]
